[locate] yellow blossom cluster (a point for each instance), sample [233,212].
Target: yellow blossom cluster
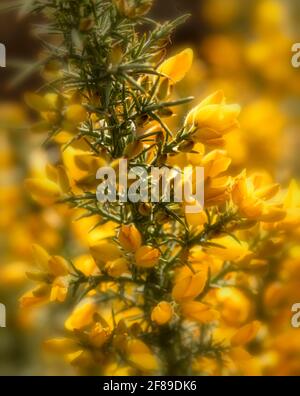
[244,218]
[147,288]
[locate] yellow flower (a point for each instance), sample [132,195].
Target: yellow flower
[198,312]
[76,114]
[43,191]
[61,345]
[38,102]
[229,248]
[82,316]
[114,369]
[38,296]
[49,106]
[216,191]
[99,335]
[140,356]
[246,201]
[84,358]
[47,190]
[213,118]
[89,333]
[82,165]
[117,267]
[251,196]
[215,163]
[83,349]
[196,220]
[188,284]
[52,273]
[130,238]
[59,290]
[58,266]
[104,251]
[40,256]
[162,313]
[55,266]
[147,256]
[292,198]
[90,226]
[176,67]
[201,260]
[245,334]
[292,207]
[86,264]
[54,101]
[235,307]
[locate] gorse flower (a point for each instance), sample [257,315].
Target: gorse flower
[147,256]
[212,119]
[130,238]
[162,313]
[51,274]
[170,69]
[189,283]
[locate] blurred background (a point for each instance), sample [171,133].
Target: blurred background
[242,47]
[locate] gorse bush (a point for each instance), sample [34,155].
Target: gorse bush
[161,291]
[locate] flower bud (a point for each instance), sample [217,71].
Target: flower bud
[147,256]
[186,146]
[144,209]
[86,24]
[189,285]
[129,238]
[162,313]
